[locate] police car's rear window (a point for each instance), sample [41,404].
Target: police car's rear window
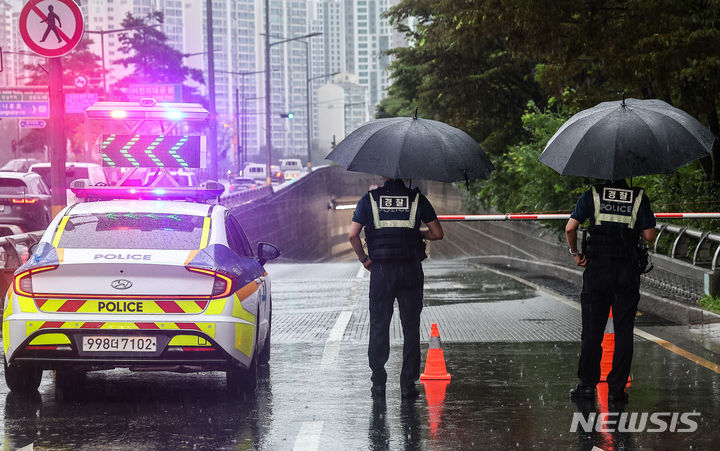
[132,231]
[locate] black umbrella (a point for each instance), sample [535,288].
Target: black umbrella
[412,148]
[615,140]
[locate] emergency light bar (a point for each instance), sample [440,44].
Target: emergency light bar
[147,111]
[82,189]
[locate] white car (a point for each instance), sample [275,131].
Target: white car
[291,168]
[139,284]
[73,171]
[255,172]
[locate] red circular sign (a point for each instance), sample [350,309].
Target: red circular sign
[51,28]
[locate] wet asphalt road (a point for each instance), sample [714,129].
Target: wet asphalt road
[511,350]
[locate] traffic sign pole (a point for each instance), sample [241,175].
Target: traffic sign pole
[57,135]
[39,21]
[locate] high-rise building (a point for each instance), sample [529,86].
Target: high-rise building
[5,40]
[342,107]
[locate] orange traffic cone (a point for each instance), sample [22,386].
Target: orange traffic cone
[435,360]
[608,349]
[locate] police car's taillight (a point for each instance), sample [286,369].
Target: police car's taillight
[222,285]
[23,281]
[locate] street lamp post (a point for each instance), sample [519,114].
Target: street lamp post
[268,103]
[240,149]
[102,34]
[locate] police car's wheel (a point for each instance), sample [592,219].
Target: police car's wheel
[21,378]
[264,355]
[240,380]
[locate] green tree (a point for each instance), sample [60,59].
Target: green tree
[457,72]
[476,64]
[153,60]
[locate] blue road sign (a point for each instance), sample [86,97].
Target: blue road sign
[32,123]
[78,102]
[24,109]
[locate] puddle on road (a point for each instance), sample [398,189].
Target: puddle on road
[459,282]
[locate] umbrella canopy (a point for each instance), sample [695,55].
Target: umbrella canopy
[617,140]
[412,148]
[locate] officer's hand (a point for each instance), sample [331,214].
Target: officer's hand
[367,264]
[580,259]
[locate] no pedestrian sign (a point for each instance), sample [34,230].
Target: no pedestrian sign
[51,28]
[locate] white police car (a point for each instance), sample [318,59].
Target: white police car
[139,284]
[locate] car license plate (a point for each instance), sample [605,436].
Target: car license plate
[119,344]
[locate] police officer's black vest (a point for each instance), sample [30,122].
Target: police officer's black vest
[614,232]
[394,233]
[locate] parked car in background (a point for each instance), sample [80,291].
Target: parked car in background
[276,174]
[19,164]
[238,184]
[291,168]
[25,203]
[73,171]
[255,172]
[185,178]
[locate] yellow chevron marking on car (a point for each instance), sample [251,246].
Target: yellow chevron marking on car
[216,306]
[6,328]
[244,338]
[8,310]
[119,326]
[50,339]
[240,312]
[60,230]
[27,304]
[205,233]
[188,340]
[245,291]
[60,254]
[190,256]
[32,326]
[114,306]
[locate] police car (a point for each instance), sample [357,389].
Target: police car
[139,284]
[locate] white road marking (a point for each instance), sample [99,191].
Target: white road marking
[308,439]
[332,345]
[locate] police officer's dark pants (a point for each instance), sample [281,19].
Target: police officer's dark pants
[390,280]
[608,282]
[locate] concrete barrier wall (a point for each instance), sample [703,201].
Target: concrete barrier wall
[298,219]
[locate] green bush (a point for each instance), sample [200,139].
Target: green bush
[711,303]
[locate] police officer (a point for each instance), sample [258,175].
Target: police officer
[391,216]
[618,216]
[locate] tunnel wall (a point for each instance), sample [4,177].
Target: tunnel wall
[298,218]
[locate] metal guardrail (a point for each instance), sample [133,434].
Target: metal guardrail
[241,198]
[703,252]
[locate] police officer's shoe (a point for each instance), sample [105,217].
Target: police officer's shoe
[618,398]
[582,391]
[409,392]
[377,391]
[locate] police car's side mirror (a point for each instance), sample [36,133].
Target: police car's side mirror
[267,252]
